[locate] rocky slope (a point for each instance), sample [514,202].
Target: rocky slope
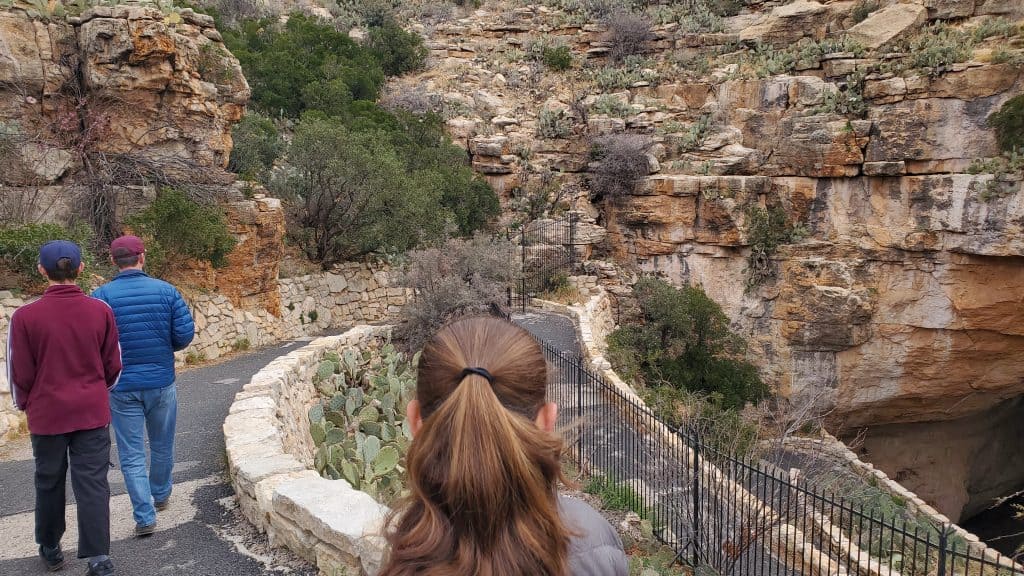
[903,299]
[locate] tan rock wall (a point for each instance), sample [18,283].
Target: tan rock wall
[121,81]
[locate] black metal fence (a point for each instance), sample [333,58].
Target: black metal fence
[732,515]
[542,250]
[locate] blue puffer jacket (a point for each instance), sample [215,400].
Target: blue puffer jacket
[154,322]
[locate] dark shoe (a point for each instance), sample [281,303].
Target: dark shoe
[105,568]
[142,531]
[162,505]
[54,559]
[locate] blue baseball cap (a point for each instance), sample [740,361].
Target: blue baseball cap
[53,251]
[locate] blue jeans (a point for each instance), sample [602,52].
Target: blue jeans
[136,415]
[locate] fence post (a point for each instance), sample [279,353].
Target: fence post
[694,441]
[578,381]
[522,249]
[943,546]
[572,242]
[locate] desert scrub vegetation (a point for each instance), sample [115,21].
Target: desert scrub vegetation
[357,178]
[763,60]
[554,124]
[553,54]
[863,9]
[377,184]
[681,340]
[1008,123]
[359,426]
[768,228]
[455,278]
[19,253]
[176,226]
[848,97]
[611,105]
[694,135]
[256,145]
[633,70]
[619,163]
[628,34]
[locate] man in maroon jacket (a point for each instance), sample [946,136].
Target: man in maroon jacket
[63,357]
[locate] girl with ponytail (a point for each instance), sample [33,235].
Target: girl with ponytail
[484,466]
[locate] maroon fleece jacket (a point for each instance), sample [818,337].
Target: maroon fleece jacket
[63,357]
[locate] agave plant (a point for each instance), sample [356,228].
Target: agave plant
[359,427]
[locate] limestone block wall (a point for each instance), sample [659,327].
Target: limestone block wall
[270,462]
[12,421]
[352,293]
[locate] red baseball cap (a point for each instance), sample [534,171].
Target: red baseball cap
[127,246]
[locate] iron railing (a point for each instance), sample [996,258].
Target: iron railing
[734,515]
[541,250]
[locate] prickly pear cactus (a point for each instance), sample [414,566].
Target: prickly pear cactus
[359,426]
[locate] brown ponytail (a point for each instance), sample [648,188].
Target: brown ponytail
[482,474]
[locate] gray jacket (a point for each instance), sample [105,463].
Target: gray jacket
[596,550]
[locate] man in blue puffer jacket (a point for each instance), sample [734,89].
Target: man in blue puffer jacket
[154,322]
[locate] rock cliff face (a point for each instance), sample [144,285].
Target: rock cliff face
[116,94]
[903,302]
[121,100]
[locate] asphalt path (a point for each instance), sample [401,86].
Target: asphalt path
[200,534]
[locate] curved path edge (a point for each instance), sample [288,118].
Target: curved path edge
[270,464]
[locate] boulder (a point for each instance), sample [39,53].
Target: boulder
[790,22]
[888,24]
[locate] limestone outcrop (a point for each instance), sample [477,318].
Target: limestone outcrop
[898,302]
[143,91]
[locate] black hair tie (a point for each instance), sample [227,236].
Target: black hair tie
[478,372]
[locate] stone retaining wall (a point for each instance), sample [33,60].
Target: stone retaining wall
[352,293]
[270,462]
[12,422]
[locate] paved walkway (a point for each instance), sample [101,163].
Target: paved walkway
[201,534]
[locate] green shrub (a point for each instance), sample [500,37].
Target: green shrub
[397,50]
[724,429]
[1008,123]
[863,9]
[180,226]
[19,251]
[938,47]
[767,230]
[683,340]
[349,195]
[557,58]
[611,106]
[617,496]
[554,124]
[256,146]
[280,61]
[990,27]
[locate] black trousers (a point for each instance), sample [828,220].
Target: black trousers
[88,452]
